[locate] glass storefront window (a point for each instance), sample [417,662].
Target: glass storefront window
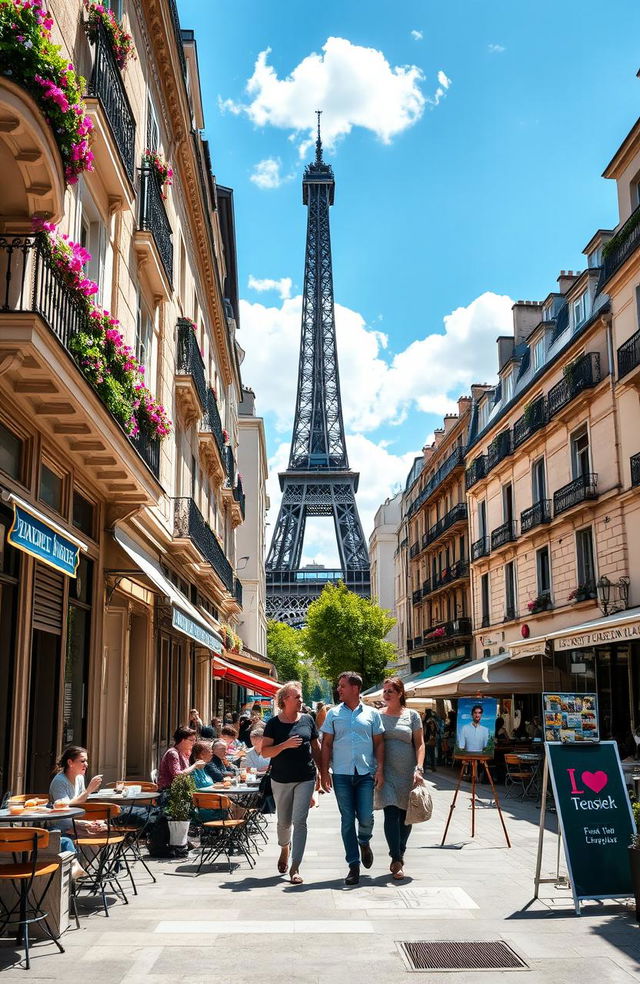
[76,664]
[50,488]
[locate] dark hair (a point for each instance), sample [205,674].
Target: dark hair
[228,730]
[181,733]
[499,724]
[198,748]
[206,732]
[257,707]
[234,717]
[478,707]
[351,677]
[398,686]
[70,754]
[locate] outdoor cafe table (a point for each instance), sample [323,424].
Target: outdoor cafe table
[109,796]
[34,817]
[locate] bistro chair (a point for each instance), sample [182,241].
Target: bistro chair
[101,855]
[517,775]
[227,836]
[135,834]
[24,875]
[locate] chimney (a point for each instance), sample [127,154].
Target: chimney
[464,405]
[526,315]
[450,421]
[566,280]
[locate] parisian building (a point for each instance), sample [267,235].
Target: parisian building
[119,504]
[382,548]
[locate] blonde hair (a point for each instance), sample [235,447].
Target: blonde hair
[285,690]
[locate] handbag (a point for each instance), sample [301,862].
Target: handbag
[265,794]
[420,806]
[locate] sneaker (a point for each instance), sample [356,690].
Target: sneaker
[366,854]
[354,875]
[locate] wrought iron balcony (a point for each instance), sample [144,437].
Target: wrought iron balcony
[449,574]
[237,591]
[506,533]
[539,513]
[533,418]
[153,217]
[629,355]
[414,549]
[239,497]
[189,364]
[635,469]
[211,422]
[455,515]
[106,85]
[447,630]
[417,596]
[230,465]
[417,641]
[425,540]
[579,375]
[188,522]
[455,460]
[581,489]
[499,449]
[480,548]
[409,645]
[476,470]
[149,450]
[175,20]
[618,250]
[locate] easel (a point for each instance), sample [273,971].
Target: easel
[474,779]
[560,881]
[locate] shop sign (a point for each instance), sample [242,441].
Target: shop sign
[195,631]
[535,648]
[595,817]
[599,637]
[33,536]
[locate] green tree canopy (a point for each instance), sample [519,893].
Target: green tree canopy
[285,648]
[346,632]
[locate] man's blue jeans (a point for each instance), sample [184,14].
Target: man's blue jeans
[354,795]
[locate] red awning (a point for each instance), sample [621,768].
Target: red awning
[244,678]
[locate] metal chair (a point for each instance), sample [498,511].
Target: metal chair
[134,833]
[227,835]
[23,875]
[101,854]
[517,774]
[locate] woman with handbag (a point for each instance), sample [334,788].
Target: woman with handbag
[403,768]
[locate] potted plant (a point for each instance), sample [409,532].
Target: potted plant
[539,604]
[179,809]
[582,592]
[634,857]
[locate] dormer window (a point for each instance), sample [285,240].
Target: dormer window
[595,259]
[537,354]
[507,387]
[483,415]
[547,312]
[579,310]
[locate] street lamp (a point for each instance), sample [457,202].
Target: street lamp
[603,588]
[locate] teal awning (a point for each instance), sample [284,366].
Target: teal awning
[415,679]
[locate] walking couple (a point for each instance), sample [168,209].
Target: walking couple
[375,759]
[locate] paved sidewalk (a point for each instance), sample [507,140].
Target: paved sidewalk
[252,926]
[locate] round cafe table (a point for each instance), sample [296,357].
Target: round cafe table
[34,817]
[108,796]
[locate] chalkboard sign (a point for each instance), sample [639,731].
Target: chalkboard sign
[595,818]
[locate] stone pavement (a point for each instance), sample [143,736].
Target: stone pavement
[253,926]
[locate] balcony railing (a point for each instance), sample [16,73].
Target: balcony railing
[409,645]
[635,469]
[230,465]
[417,596]
[153,217]
[239,496]
[581,489]
[189,522]
[189,361]
[106,85]
[476,470]
[237,591]
[414,549]
[629,355]
[447,630]
[539,513]
[533,418]
[211,421]
[417,641]
[455,459]
[31,283]
[579,375]
[506,533]
[452,573]
[426,587]
[480,548]
[499,449]
[175,19]
[425,540]
[455,515]
[619,249]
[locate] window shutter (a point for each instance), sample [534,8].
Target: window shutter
[48,599]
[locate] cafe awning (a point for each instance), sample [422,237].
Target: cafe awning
[374,695]
[496,676]
[186,618]
[255,682]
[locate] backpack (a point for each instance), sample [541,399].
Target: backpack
[158,838]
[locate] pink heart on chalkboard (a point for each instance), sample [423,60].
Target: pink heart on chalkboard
[595,780]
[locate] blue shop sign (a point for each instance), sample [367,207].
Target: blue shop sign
[195,631]
[41,541]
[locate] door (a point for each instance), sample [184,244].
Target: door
[43,713]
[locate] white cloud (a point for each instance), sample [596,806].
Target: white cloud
[266,173]
[496,49]
[282,286]
[417,35]
[353,85]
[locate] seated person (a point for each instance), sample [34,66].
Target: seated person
[68,784]
[175,761]
[253,759]
[235,748]
[218,767]
[501,732]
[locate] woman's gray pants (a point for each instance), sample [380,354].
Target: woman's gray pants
[292,806]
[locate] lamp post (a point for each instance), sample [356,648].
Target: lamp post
[603,588]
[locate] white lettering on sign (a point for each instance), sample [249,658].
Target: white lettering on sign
[608,803]
[34,536]
[583,640]
[63,553]
[600,835]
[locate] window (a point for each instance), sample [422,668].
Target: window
[76,664]
[482,520]
[483,414]
[153,130]
[507,387]
[11,448]
[93,237]
[579,310]
[507,503]
[510,590]
[543,570]
[144,337]
[115,6]
[580,464]
[484,594]
[586,565]
[594,259]
[50,488]
[538,354]
[83,514]
[538,481]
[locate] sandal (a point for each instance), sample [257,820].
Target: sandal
[283,860]
[296,879]
[399,874]
[395,866]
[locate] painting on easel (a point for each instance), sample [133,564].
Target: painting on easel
[476,727]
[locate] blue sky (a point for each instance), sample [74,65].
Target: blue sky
[467,140]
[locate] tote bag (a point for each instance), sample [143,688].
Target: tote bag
[420,805]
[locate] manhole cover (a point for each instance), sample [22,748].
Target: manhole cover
[460,955]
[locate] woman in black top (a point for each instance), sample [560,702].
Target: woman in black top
[291,742]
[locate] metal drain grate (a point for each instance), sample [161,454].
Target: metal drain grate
[460,955]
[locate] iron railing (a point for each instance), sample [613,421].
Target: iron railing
[499,449]
[414,549]
[175,20]
[237,591]
[416,596]
[476,470]
[189,361]
[455,458]
[581,489]
[149,450]
[189,522]
[456,627]
[455,515]
[619,249]
[629,355]
[211,421]
[306,582]
[533,418]
[239,496]
[635,469]
[536,515]
[452,573]
[153,217]
[480,548]
[426,587]
[579,375]
[229,465]
[506,533]
[106,85]
[417,641]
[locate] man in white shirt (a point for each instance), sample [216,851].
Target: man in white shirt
[474,737]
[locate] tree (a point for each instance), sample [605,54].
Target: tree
[285,649]
[346,632]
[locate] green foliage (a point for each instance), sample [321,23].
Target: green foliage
[346,632]
[179,804]
[285,648]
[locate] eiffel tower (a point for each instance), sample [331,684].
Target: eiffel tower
[318,481]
